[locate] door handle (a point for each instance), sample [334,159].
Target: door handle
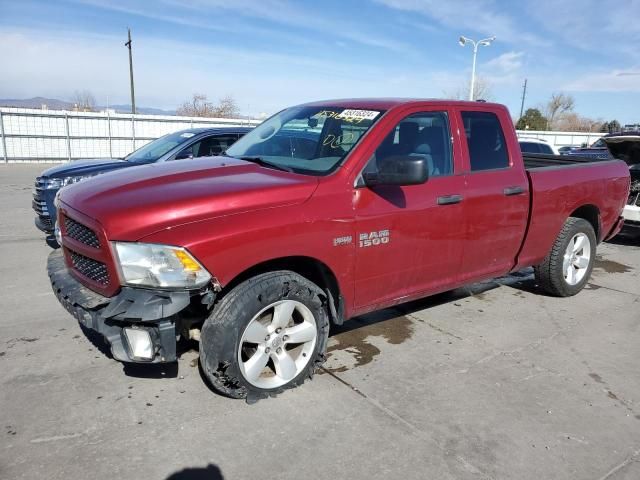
[517,190]
[449,199]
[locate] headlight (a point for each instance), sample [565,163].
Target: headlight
[58,183]
[152,265]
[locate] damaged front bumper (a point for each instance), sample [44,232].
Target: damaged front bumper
[159,313]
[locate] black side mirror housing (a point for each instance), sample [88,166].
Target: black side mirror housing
[400,170]
[184,154]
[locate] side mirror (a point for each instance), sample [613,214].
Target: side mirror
[184,154]
[400,170]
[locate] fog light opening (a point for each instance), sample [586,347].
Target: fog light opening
[58,234]
[140,344]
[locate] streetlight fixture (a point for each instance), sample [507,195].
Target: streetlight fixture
[485,42]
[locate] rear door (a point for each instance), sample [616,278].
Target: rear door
[409,239]
[496,198]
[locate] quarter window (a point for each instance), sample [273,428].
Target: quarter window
[485,139]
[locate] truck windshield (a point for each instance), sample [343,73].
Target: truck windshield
[152,151]
[306,139]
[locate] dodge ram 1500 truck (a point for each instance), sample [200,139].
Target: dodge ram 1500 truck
[325,211]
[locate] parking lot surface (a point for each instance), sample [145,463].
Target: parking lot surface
[491,381]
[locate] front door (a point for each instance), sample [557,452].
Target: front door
[409,239]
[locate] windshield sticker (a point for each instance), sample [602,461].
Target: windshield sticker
[356,116]
[187,135]
[351,115]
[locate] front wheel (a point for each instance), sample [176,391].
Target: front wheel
[567,268]
[267,334]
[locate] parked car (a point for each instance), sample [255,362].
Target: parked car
[598,149]
[258,252]
[174,146]
[564,150]
[625,146]
[536,145]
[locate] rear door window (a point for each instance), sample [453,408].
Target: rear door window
[529,147]
[212,146]
[486,142]
[546,149]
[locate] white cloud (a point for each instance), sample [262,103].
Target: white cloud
[506,63]
[482,16]
[605,28]
[610,81]
[167,72]
[213,14]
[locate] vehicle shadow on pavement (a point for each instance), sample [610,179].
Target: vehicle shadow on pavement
[153,370]
[522,280]
[626,240]
[210,472]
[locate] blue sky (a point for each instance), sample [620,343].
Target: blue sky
[270,54]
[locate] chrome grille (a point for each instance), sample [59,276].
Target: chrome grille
[46,222]
[40,207]
[90,268]
[82,234]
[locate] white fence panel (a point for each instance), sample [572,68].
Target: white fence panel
[562,139]
[30,135]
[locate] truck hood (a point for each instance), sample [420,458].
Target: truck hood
[136,202]
[625,147]
[85,167]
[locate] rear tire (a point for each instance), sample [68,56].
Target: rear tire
[567,268]
[266,335]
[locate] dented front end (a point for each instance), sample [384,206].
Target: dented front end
[140,325]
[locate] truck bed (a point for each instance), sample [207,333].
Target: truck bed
[533,161]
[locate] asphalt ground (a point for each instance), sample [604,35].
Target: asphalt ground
[495,380]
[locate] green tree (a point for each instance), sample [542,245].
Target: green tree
[605,128]
[614,126]
[532,120]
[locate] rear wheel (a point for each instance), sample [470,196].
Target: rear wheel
[266,335]
[567,268]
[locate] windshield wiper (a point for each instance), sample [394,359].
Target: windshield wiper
[265,163]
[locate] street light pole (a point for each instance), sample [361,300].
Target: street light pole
[473,71]
[133,96]
[484,43]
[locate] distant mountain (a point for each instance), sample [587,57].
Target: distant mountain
[37,102]
[55,104]
[143,110]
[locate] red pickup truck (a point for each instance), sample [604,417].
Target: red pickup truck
[326,211]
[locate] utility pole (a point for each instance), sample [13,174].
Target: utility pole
[524,94]
[133,95]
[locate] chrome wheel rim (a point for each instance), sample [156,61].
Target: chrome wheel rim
[576,259]
[277,344]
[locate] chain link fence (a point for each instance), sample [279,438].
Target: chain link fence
[31,135]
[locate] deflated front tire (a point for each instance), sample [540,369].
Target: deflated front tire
[266,335]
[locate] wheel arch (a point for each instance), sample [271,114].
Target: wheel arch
[591,214]
[310,268]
